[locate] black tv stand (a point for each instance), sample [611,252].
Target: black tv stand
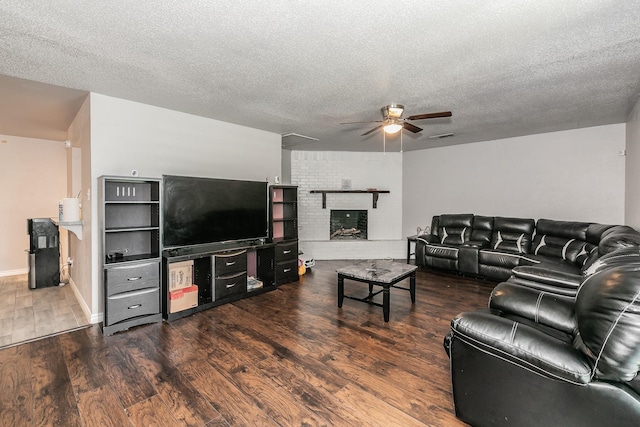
[211,248]
[214,265]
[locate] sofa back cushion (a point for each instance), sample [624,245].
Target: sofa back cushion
[454,229]
[616,258]
[595,232]
[482,229]
[618,237]
[566,240]
[512,234]
[608,317]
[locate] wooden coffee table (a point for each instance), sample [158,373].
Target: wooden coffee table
[378,273]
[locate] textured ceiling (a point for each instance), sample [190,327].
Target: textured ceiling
[503,67]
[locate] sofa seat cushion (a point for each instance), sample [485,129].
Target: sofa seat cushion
[498,258]
[522,345]
[550,263]
[537,308]
[440,251]
[552,281]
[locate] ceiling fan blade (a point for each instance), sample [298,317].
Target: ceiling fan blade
[410,127]
[355,123]
[372,130]
[430,115]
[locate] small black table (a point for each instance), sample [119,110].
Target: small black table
[380,273]
[411,239]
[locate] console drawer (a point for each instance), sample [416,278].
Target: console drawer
[287,271]
[132,277]
[226,263]
[231,285]
[128,305]
[286,251]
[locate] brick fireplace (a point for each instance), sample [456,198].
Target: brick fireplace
[348,224]
[322,170]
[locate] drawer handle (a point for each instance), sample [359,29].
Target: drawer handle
[131,307]
[134,293]
[286,252]
[229,263]
[131,279]
[231,285]
[286,270]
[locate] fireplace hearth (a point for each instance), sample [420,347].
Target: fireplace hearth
[348,224]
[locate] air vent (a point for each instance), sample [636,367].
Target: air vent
[290,140]
[442,135]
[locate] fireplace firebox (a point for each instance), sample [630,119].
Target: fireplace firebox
[348,224]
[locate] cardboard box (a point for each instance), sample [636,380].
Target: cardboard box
[183,299]
[180,275]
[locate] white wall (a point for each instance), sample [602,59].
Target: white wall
[570,175]
[285,172]
[632,194]
[127,135]
[322,170]
[79,178]
[33,178]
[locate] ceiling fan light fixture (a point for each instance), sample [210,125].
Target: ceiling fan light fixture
[392,128]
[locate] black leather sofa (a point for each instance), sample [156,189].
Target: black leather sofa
[535,358]
[548,254]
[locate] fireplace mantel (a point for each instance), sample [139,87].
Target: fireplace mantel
[374,193]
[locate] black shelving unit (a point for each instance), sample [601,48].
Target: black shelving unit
[283,230]
[130,224]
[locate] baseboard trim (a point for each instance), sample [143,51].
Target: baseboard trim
[17,272]
[93,318]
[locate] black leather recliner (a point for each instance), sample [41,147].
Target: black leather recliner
[534,358]
[448,233]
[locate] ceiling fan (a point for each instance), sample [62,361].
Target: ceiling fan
[393,121]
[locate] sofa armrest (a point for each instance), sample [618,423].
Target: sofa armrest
[548,276]
[476,244]
[554,311]
[427,238]
[522,345]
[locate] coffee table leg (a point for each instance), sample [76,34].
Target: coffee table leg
[370,290]
[385,302]
[412,286]
[340,290]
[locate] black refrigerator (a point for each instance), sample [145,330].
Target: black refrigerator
[44,253]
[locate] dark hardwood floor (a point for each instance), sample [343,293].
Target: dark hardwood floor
[288,357]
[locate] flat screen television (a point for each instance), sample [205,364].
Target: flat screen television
[210,210]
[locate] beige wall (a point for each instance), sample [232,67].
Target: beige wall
[32,181]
